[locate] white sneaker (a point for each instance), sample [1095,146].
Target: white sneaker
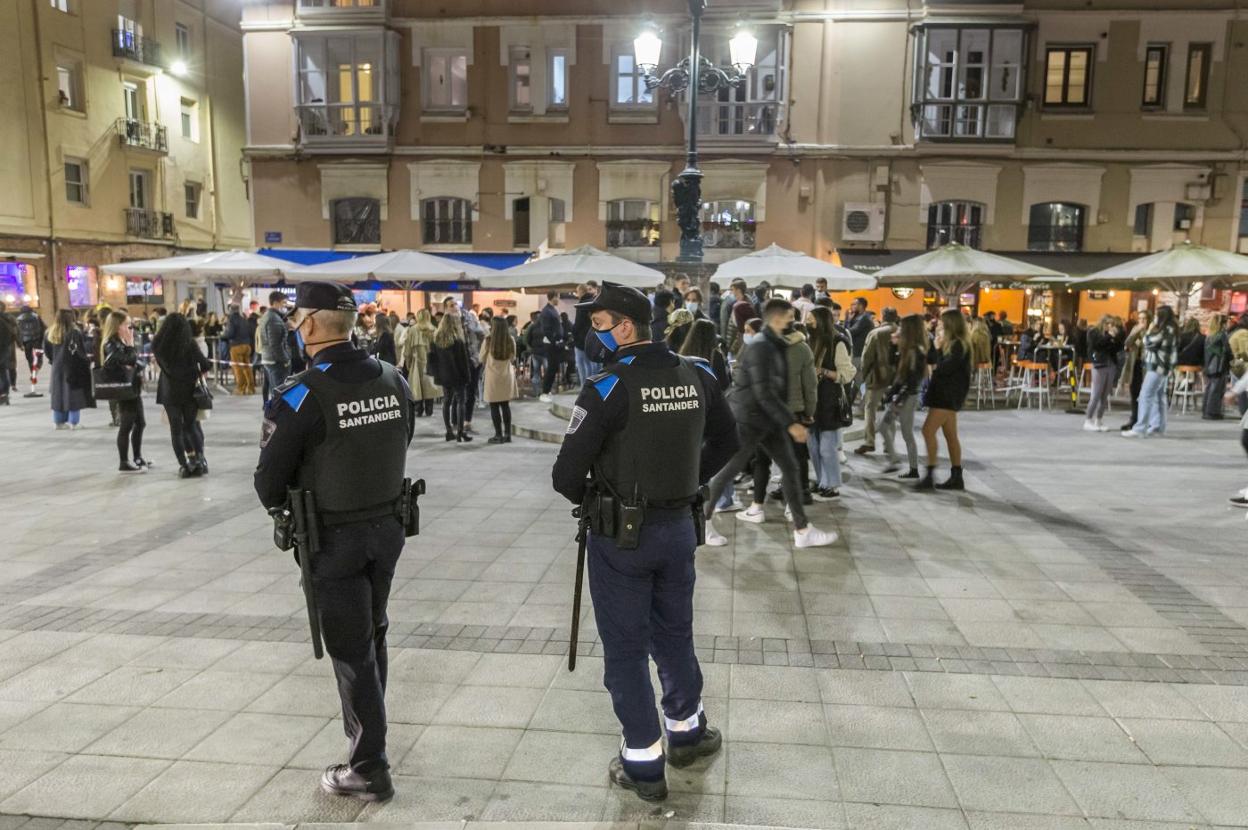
[813,537]
[842,456]
[714,538]
[544,398]
[735,504]
[1100,426]
[753,514]
[1090,426]
[1132,434]
[788,514]
[60,426]
[75,426]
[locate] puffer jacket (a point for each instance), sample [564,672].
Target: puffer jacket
[118,356]
[802,383]
[760,391]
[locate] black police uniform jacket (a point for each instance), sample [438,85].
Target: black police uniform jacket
[652,424]
[341,429]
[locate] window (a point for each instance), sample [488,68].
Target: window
[520,222]
[628,85]
[190,119]
[1143,224]
[521,79]
[1155,76]
[182,39]
[557,79]
[556,233]
[446,80]
[1068,76]
[60,5]
[1055,226]
[139,189]
[752,109]
[191,191]
[133,98]
[728,224]
[345,85]
[1196,90]
[356,221]
[76,181]
[955,222]
[632,223]
[1184,217]
[447,221]
[968,84]
[69,85]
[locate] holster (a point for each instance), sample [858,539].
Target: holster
[409,507]
[283,528]
[613,517]
[699,514]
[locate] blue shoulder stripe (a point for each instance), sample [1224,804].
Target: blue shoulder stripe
[324,367]
[606,385]
[627,360]
[702,364]
[295,396]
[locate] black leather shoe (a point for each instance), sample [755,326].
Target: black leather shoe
[646,790]
[340,779]
[683,756]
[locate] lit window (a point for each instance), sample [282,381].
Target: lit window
[628,85]
[961,222]
[969,83]
[60,5]
[446,221]
[728,224]
[69,85]
[1068,76]
[632,223]
[557,78]
[1155,76]
[190,119]
[192,190]
[446,80]
[1196,90]
[76,181]
[521,79]
[1055,226]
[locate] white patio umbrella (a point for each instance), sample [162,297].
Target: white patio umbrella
[575,266]
[954,269]
[782,268]
[238,268]
[1176,270]
[408,269]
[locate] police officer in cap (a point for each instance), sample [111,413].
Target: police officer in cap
[644,435]
[340,429]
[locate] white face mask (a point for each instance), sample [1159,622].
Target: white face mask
[693,307]
[750,338]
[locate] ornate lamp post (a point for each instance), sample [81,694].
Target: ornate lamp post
[697,75]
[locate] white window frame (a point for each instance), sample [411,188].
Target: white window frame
[71,69]
[144,179]
[638,83]
[738,231]
[649,234]
[554,76]
[188,117]
[62,6]
[449,55]
[520,56]
[192,193]
[134,100]
[83,182]
[954,117]
[182,40]
[967,233]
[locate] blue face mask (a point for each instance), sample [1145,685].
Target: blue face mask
[607,338]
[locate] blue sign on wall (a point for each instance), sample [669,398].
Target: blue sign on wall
[272,237]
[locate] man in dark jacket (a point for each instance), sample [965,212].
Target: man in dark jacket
[860,324]
[759,398]
[274,345]
[552,335]
[580,328]
[664,304]
[8,354]
[238,337]
[30,331]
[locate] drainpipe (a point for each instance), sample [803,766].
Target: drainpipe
[53,263]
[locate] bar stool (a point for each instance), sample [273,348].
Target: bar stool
[1188,387]
[984,385]
[1013,379]
[1037,375]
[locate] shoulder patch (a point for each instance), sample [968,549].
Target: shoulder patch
[295,396]
[606,384]
[267,428]
[574,423]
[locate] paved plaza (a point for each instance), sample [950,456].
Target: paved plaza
[1064,645]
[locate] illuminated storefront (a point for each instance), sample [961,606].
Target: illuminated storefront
[83,286]
[17,284]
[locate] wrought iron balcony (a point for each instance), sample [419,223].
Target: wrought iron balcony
[142,135]
[347,125]
[148,224]
[632,233]
[739,119]
[136,48]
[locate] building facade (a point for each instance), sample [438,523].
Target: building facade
[1040,127]
[122,140]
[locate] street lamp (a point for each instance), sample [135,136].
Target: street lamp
[697,75]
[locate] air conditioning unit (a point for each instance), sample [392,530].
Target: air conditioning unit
[862,222]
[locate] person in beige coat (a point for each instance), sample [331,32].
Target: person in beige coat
[498,356]
[414,360]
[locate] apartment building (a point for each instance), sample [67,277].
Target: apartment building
[122,140]
[1070,135]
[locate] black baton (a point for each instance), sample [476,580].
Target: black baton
[307,540]
[582,537]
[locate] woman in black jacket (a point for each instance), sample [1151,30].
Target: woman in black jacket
[448,360]
[383,340]
[118,355]
[902,397]
[702,341]
[1104,346]
[946,392]
[182,365]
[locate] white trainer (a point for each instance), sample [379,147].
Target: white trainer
[1100,426]
[714,538]
[1090,426]
[753,514]
[813,537]
[731,506]
[545,398]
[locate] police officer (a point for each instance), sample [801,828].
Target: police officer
[340,429]
[649,429]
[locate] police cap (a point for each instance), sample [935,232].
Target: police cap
[324,296]
[622,300]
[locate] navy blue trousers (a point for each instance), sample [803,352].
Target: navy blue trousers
[643,603]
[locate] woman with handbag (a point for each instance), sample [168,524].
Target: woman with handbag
[946,392]
[448,360]
[119,361]
[182,392]
[834,368]
[498,356]
[70,384]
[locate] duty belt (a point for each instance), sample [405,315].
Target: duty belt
[332,518]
